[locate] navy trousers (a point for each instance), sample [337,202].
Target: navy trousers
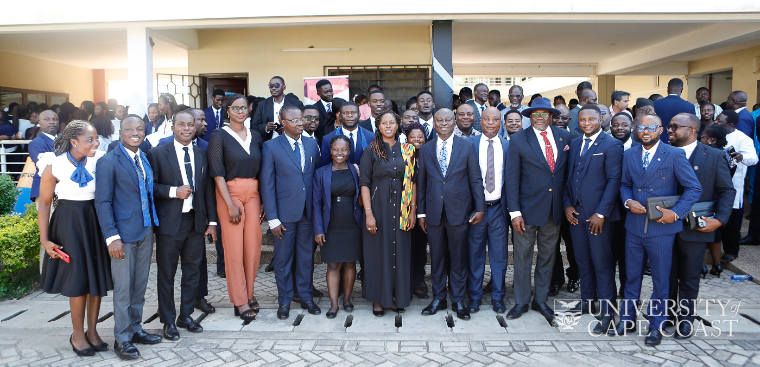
[492,230]
[295,245]
[595,263]
[659,250]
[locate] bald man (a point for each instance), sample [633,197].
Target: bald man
[450,198]
[737,101]
[41,144]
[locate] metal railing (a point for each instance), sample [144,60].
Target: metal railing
[11,167]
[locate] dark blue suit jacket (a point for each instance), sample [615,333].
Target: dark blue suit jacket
[40,144]
[200,143]
[285,189]
[504,147]
[323,198]
[327,155]
[667,169]
[667,108]
[746,123]
[461,191]
[117,197]
[211,121]
[594,179]
[534,190]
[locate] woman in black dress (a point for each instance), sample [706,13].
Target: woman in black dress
[337,217]
[388,181]
[415,135]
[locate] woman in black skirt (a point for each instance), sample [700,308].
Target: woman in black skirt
[336,221]
[73,229]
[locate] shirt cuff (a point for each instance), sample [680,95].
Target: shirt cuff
[421,215]
[212,223]
[513,215]
[109,240]
[274,223]
[625,204]
[173,192]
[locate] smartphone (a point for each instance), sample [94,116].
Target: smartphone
[701,223]
[469,216]
[63,255]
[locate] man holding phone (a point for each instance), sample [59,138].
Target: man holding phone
[266,119]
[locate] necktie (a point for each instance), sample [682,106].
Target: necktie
[329,107]
[299,159]
[144,201]
[442,160]
[481,109]
[427,129]
[352,149]
[490,171]
[646,161]
[585,146]
[216,123]
[549,151]
[189,169]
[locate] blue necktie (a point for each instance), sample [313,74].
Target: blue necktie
[145,184]
[143,192]
[442,160]
[646,161]
[297,151]
[585,146]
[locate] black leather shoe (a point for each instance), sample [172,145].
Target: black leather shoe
[189,324]
[749,240]
[684,331]
[605,324]
[316,293]
[499,307]
[517,311]
[141,337]
[648,270]
[543,309]
[360,275]
[573,285]
[283,312]
[311,307]
[221,274]
[435,306]
[554,289]
[204,305]
[473,306]
[585,307]
[463,313]
[171,332]
[488,288]
[126,351]
[269,268]
[622,328]
[654,338]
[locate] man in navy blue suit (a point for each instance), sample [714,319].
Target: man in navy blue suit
[266,117]
[491,151]
[737,101]
[653,169]
[671,105]
[214,114]
[359,136]
[450,198]
[126,214]
[287,174]
[43,143]
[591,206]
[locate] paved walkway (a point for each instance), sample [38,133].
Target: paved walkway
[38,336]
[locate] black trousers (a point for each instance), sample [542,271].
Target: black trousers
[188,245]
[684,276]
[731,232]
[419,257]
[618,251]
[558,273]
[219,251]
[203,278]
[452,240]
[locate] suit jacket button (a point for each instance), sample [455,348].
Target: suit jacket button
[304,189]
[639,189]
[441,197]
[550,189]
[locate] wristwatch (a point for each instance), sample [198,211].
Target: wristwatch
[600,216]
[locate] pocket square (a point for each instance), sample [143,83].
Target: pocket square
[567,147]
[598,154]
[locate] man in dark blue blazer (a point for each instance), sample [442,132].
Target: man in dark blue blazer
[324,104]
[491,151]
[536,166]
[266,118]
[214,114]
[653,169]
[359,136]
[671,105]
[737,101]
[591,201]
[287,175]
[43,143]
[711,168]
[449,199]
[126,214]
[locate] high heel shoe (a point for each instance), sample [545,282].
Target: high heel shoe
[716,269]
[89,352]
[704,271]
[102,347]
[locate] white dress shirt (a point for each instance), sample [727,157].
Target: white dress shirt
[498,162]
[312,136]
[218,116]
[651,151]
[372,123]
[274,223]
[479,107]
[429,124]
[277,108]
[448,143]
[628,143]
[187,204]
[744,145]
[689,149]
[583,141]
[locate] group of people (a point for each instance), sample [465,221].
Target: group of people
[383,191]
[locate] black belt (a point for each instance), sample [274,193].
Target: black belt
[493,203]
[339,199]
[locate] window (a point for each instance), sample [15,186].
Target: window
[24,96]
[399,82]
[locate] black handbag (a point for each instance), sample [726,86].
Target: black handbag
[703,209]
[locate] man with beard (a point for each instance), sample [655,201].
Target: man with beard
[377,104]
[515,104]
[266,119]
[310,122]
[465,118]
[703,98]
[359,136]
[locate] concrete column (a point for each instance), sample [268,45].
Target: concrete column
[140,68]
[443,71]
[605,85]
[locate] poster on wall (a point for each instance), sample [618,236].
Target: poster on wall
[339,85]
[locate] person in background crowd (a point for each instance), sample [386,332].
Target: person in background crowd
[415,134]
[167,107]
[21,118]
[234,160]
[43,143]
[533,98]
[559,100]
[69,173]
[215,114]
[575,105]
[478,104]
[266,118]
[494,100]
[655,97]
[465,121]
[324,104]
[89,107]
[364,110]
[67,111]
[360,99]
[34,130]
[118,113]
[706,116]
[642,107]
[606,117]
[465,94]
[620,100]
[334,118]
[377,104]
[360,137]
[512,124]
[563,120]
[310,122]
[426,107]
[737,102]
[101,110]
[714,136]
[515,104]
[572,104]
[153,118]
[104,127]
[411,104]
[703,98]
[337,221]
[409,117]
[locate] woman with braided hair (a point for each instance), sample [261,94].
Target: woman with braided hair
[85,275]
[388,186]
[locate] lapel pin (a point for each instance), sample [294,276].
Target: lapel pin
[658,159]
[560,139]
[696,168]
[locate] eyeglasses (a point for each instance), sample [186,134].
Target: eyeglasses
[310,118]
[237,109]
[650,128]
[674,127]
[294,121]
[275,85]
[515,95]
[540,114]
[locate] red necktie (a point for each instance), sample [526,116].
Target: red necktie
[549,151]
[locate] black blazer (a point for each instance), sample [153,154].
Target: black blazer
[462,188]
[324,116]
[167,174]
[367,124]
[265,113]
[711,167]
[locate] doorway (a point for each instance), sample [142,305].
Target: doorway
[229,83]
